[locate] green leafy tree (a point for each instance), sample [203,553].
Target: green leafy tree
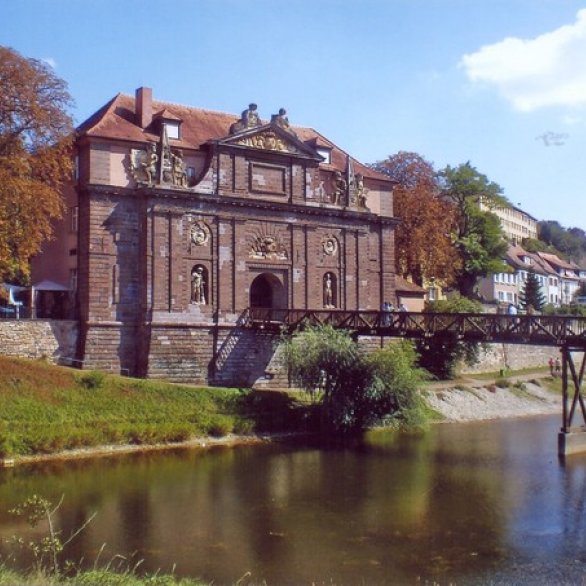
[441,355]
[35,159]
[478,236]
[353,389]
[532,297]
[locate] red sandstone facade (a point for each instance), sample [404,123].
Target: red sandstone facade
[186,217]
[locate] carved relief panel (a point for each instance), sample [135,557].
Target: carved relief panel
[268,242]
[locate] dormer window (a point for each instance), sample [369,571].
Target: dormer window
[170,122]
[326,154]
[172,130]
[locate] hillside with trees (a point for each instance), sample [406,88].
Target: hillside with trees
[569,242]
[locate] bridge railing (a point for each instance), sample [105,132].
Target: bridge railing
[482,327]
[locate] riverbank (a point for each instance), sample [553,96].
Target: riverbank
[50,411]
[53,412]
[515,396]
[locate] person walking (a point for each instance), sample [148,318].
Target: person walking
[558,367]
[551,364]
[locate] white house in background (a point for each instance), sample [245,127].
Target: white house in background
[568,274]
[507,287]
[516,223]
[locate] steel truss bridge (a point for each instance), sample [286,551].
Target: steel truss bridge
[568,333]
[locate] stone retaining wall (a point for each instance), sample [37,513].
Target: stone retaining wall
[511,356]
[186,354]
[51,339]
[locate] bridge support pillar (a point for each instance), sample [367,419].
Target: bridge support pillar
[571,442]
[572,439]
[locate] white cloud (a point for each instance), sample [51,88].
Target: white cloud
[50,62]
[548,70]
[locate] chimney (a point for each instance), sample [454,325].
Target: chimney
[144,106]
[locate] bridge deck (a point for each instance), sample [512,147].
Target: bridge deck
[480,327]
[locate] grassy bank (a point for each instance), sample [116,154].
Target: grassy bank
[47,409]
[9,577]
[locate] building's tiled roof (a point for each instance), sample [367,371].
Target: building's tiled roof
[556,261]
[117,121]
[516,254]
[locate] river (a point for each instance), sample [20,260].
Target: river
[466,503]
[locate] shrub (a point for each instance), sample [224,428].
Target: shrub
[92,380]
[354,390]
[440,355]
[220,426]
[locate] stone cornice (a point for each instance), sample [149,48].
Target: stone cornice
[225,203]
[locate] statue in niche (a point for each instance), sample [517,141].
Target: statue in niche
[198,286]
[340,188]
[328,291]
[248,119]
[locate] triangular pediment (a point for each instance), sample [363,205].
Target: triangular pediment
[271,137]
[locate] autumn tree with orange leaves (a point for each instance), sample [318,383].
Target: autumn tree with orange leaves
[423,240]
[35,140]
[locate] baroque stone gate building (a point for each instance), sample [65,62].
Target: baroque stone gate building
[180,218]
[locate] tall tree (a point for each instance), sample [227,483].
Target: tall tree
[478,236]
[532,297]
[35,139]
[423,246]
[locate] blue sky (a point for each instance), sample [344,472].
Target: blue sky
[501,83]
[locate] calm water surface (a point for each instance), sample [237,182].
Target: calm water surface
[475,503]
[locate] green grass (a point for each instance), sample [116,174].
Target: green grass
[46,409]
[507,372]
[97,577]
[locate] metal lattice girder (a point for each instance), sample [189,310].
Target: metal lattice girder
[525,329]
[576,378]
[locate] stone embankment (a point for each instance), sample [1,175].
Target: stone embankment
[471,400]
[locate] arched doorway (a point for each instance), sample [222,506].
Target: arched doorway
[267,291]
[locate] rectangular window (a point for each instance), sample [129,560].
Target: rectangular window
[73,279]
[432,294]
[501,296]
[172,130]
[326,154]
[74,216]
[115,284]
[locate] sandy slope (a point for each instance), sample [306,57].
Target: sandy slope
[477,400]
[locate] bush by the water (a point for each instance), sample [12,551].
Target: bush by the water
[440,355]
[353,388]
